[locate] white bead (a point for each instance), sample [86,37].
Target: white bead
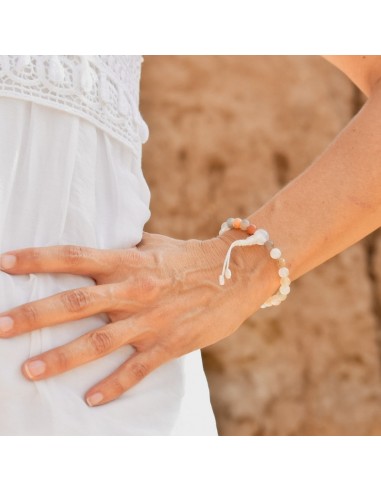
[260,236]
[224,228]
[245,224]
[282,296]
[250,240]
[285,289]
[285,281]
[228,273]
[222,280]
[265,235]
[275,301]
[283,272]
[266,304]
[275,253]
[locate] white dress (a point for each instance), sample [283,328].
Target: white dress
[70,173]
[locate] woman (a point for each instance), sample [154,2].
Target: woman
[162,296]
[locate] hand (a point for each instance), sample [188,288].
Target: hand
[161,296]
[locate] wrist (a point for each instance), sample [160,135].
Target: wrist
[250,264]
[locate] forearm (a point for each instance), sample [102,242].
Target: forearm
[335,202]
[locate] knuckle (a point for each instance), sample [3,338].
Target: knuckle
[30,314]
[101,341]
[35,254]
[139,370]
[115,262]
[76,300]
[74,254]
[115,386]
[133,255]
[146,284]
[62,360]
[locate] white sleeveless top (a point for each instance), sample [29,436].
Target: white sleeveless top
[64,181]
[103,89]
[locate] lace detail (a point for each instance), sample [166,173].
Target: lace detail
[103,89]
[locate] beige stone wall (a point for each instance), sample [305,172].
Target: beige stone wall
[227,132]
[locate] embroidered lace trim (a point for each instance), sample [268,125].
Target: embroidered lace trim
[103,89]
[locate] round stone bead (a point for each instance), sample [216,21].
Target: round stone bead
[285,281]
[245,224]
[269,245]
[285,289]
[228,273]
[224,228]
[275,253]
[275,301]
[236,223]
[281,262]
[230,222]
[262,236]
[283,272]
[251,229]
[282,296]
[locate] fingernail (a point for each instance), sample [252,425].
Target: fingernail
[94,399]
[6,324]
[34,368]
[7,261]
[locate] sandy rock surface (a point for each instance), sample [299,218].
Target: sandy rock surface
[226,133]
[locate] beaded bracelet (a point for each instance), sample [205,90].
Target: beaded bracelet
[261,237]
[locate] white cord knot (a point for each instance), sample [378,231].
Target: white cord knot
[256,238]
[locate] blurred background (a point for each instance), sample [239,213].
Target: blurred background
[226,133]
